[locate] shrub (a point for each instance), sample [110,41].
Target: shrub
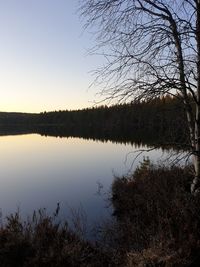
[41,242]
[157,215]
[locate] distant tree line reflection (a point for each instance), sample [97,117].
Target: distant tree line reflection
[160,121]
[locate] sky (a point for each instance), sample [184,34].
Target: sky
[44,61]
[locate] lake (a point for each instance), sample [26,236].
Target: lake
[40,171]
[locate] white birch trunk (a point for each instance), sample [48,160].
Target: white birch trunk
[195,186]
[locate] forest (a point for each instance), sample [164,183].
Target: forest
[160,121]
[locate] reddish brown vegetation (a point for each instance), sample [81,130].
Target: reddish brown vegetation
[157,223]
[158,219]
[41,242]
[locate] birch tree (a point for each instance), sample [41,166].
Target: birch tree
[152,48]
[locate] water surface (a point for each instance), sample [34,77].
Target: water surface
[38,171]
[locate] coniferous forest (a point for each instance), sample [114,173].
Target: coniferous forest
[160,121]
[152,207]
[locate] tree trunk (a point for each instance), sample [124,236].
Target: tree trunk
[195,187]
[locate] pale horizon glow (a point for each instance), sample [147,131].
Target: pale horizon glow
[43,57]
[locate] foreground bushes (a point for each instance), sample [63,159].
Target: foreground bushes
[156,223]
[158,220]
[41,242]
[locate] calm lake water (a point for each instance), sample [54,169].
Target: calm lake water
[38,171]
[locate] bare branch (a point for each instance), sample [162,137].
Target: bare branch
[152,48]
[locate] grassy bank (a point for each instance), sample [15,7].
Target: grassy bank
[156,223]
[157,218]
[41,241]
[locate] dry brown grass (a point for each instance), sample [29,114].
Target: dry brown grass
[158,220]
[40,242]
[156,224]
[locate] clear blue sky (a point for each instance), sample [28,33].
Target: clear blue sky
[43,61]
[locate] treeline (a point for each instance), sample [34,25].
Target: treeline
[161,119]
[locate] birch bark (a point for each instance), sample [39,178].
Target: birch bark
[195,186]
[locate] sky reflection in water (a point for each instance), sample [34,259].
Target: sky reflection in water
[38,172]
